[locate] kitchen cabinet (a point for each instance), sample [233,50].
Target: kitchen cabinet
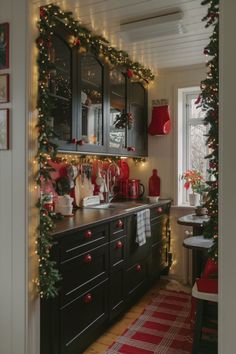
[104,271]
[60,86]
[87,96]
[137,105]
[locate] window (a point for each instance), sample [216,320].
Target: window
[191,137]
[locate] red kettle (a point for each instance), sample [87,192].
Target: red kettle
[135,189]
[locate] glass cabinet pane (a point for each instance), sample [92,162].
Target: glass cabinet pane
[137,134]
[117,138]
[60,89]
[91,100]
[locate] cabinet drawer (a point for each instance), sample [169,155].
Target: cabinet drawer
[80,319]
[159,211]
[136,278]
[81,241]
[83,271]
[117,294]
[117,251]
[117,228]
[157,231]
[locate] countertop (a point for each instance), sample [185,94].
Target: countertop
[84,217]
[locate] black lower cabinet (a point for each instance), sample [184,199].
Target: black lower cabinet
[104,272]
[82,318]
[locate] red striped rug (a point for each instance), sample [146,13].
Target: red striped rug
[162,328]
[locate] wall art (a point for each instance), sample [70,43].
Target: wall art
[4,129]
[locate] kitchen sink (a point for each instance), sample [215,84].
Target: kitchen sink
[126,206]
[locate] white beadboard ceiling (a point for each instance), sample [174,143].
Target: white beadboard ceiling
[105,16]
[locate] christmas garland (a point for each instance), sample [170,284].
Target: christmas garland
[210,103]
[51,17]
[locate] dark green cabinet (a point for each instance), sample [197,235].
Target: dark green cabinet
[104,271]
[87,96]
[137,105]
[60,87]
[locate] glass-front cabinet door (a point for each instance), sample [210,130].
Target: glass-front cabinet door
[117,135]
[137,135]
[60,92]
[91,104]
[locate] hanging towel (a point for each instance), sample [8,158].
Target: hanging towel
[143,226]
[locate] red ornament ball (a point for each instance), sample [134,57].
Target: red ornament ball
[39,41]
[77,42]
[42,12]
[129,73]
[74,141]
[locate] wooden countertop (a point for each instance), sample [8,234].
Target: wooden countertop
[84,217]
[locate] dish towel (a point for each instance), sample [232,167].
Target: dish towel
[143,226]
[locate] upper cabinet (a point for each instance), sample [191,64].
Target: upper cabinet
[88,98]
[137,105]
[117,141]
[60,90]
[90,104]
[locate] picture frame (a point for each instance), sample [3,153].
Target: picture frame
[4,129]
[4,88]
[4,45]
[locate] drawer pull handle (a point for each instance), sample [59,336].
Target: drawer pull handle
[88,234]
[138,268]
[88,298]
[159,210]
[88,258]
[119,244]
[119,224]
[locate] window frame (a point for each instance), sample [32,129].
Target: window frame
[183,131]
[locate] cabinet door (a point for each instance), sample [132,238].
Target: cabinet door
[60,92]
[137,105]
[118,94]
[91,126]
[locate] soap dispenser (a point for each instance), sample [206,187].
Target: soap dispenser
[154,184]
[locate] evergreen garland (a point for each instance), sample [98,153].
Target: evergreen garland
[210,103]
[51,17]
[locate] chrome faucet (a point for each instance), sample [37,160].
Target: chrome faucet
[110,181]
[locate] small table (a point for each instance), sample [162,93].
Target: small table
[199,245]
[193,220]
[197,223]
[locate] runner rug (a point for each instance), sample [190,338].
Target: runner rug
[162,328]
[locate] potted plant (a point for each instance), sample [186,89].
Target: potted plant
[194,180]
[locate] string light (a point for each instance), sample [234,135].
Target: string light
[50,17]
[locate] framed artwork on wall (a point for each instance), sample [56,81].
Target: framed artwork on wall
[4,129]
[4,45]
[4,88]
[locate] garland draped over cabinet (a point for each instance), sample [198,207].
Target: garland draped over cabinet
[209,99]
[52,16]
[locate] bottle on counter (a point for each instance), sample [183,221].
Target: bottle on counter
[154,184]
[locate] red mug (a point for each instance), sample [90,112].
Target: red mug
[135,189]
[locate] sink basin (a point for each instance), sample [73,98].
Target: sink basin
[126,206]
[102,206]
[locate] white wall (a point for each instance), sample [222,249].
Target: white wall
[13,208]
[227,244]
[163,154]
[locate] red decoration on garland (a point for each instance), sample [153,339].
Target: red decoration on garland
[43,12]
[74,141]
[77,42]
[129,73]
